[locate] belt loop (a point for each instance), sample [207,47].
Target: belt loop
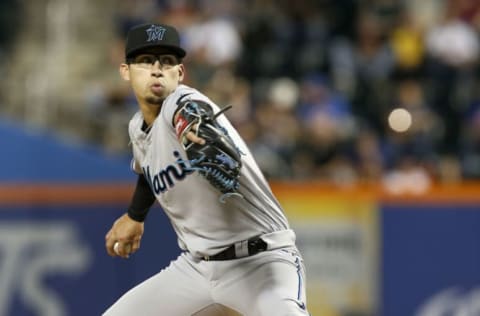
[241,249]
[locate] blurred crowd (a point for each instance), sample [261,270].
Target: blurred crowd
[314,84]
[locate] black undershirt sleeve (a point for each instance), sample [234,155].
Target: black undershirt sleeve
[142,200]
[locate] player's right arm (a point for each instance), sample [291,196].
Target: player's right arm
[128,229]
[142,200]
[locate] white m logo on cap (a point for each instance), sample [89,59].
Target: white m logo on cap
[155,33]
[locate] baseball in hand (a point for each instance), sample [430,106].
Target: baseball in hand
[115,247]
[128,248]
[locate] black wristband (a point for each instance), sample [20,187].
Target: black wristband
[142,200]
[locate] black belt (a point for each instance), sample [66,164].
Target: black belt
[254,245]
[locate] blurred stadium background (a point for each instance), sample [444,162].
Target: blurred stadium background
[363,114]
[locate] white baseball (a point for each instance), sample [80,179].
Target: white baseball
[127,248]
[115,247]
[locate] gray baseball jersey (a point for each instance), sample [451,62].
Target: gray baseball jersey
[204,225]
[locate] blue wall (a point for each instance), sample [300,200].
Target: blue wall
[430,260]
[29,155]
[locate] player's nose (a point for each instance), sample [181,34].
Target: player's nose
[156,69]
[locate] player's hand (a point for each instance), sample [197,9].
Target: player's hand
[191,136]
[194,138]
[127,233]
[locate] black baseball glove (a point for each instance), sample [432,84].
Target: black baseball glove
[218,160]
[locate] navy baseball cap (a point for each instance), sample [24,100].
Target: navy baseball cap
[152,36]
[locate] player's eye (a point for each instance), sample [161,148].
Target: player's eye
[145,59]
[168,60]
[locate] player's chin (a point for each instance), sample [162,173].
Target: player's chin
[154,99]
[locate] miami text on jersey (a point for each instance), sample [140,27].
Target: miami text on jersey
[164,179]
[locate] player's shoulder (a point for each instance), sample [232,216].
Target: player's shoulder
[137,119]
[175,100]
[135,123]
[184,92]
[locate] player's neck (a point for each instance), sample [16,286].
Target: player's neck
[150,113]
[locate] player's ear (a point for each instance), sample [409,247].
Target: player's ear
[124,71]
[181,72]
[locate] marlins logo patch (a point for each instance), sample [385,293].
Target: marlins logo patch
[155,33]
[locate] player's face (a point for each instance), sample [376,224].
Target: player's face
[153,76]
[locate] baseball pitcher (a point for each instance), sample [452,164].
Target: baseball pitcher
[237,247]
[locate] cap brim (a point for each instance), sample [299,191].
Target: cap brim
[158,48]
